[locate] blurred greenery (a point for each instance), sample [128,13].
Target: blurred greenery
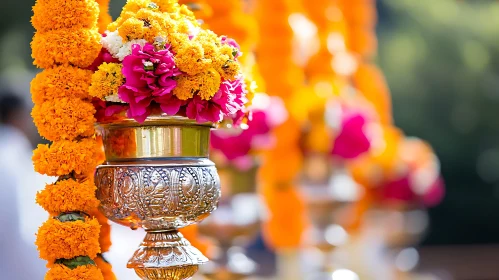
[441,59]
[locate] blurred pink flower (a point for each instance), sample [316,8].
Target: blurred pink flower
[352,140]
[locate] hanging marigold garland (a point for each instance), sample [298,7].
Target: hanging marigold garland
[66,42]
[361,40]
[287,221]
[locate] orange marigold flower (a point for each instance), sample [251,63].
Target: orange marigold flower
[59,82]
[84,272]
[76,46]
[66,240]
[64,118]
[58,14]
[106,268]
[106,80]
[132,29]
[190,59]
[64,157]
[67,196]
[205,85]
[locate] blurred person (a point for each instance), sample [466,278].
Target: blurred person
[20,216]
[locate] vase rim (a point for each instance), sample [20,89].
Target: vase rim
[155,119]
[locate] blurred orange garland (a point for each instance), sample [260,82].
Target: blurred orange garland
[287,222]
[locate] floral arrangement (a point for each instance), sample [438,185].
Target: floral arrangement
[236,146]
[157,58]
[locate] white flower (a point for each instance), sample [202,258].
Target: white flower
[112,42]
[126,49]
[114,98]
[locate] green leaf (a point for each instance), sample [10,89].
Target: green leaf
[75,262]
[71,217]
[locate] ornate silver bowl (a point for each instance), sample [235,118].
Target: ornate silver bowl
[158,176]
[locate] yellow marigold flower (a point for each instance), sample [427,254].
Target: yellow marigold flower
[177,40]
[67,196]
[59,82]
[122,18]
[66,240]
[106,80]
[228,69]
[58,14]
[77,47]
[84,272]
[210,43]
[132,29]
[190,59]
[64,157]
[155,24]
[135,5]
[64,118]
[205,85]
[168,6]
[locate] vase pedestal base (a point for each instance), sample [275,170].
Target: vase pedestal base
[166,255]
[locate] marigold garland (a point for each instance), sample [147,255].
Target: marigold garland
[281,75]
[66,40]
[61,272]
[64,157]
[61,81]
[68,196]
[64,119]
[66,240]
[61,14]
[77,47]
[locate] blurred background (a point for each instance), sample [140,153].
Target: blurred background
[441,61]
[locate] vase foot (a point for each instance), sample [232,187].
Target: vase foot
[166,255]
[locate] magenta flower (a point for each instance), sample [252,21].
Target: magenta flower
[236,145]
[352,140]
[105,111]
[228,101]
[104,56]
[149,77]
[399,190]
[435,193]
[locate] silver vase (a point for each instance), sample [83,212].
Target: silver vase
[157,176]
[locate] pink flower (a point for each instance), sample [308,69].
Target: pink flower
[106,111]
[399,190]
[228,101]
[435,193]
[352,140]
[231,146]
[203,110]
[104,56]
[236,145]
[149,77]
